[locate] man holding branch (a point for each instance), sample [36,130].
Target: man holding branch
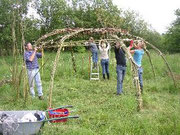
[31,58]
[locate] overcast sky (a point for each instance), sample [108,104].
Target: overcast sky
[158,13]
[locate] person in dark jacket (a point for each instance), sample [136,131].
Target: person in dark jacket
[121,67]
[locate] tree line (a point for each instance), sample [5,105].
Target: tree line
[57,14]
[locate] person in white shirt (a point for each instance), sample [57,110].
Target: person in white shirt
[104,48]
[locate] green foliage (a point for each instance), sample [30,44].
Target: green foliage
[94,14]
[7,9]
[135,24]
[57,14]
[79,49]
[171,38]
[32,31]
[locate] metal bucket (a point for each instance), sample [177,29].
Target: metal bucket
[24,128]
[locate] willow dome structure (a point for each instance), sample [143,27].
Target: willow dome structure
[60,38]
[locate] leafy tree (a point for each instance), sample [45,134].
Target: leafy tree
[172,37]
[53,14]
[56,14]
[137,26]
[8,8]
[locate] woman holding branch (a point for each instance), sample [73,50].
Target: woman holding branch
[138,55]
[104,48]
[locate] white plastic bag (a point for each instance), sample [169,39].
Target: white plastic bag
[29,117]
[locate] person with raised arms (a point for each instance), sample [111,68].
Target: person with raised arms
[104,48]
[120,67]
[31,59]
[138,53]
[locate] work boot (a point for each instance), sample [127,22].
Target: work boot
[104,76]
[108,76]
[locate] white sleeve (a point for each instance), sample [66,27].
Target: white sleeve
[100,48]
[108,46]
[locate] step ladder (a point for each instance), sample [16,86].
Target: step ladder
[94,74]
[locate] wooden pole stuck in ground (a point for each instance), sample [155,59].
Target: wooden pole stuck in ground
[73,60]
[82,65]
[42,61]
[60,44]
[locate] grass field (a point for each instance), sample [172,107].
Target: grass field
[101,111]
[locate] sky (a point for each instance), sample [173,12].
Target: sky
[158,13]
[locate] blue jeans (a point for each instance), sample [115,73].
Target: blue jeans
[95,56]
[34,75]
[105,65]
[140,72]
[121,71]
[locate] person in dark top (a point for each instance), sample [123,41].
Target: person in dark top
[121,67]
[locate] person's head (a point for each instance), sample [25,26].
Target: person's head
[103,44]
[140,44]
[91,39]
[137,44]
[118,44]
[28,46]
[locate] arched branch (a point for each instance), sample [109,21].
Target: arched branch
[149,56]
[165,61]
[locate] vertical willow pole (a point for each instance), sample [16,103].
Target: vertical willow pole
[82,65]
[60,45]
[73,59]
[89,64]
[42,61]
[53,73]
[15,65]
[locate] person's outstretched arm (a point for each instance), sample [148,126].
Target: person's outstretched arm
[130,47]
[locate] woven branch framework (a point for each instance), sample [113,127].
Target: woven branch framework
[57,38]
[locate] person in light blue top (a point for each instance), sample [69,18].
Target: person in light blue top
[138,55]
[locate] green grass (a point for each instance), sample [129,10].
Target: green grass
[100,110]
